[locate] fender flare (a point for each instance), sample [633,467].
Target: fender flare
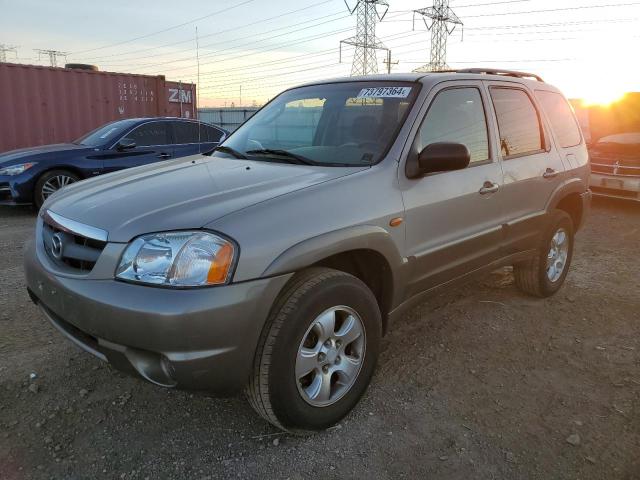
[573,185]
[315,249]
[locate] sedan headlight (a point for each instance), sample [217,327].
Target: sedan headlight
[16,169]
[178,259]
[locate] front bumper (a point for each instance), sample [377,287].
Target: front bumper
[15,192]
[626,187]
[202,339]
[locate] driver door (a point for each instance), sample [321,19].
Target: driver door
[152,144]
[453,219]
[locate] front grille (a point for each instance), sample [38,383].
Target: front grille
[69,248]
[614,192]
[615,165]
[5,191]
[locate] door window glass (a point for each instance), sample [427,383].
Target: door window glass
[457,115]
[185,132]
[518,122]
[149,134]
[211,134]
[561,118]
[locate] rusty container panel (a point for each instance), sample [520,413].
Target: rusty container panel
[43,105]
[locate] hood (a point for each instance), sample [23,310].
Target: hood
[186,193]
[31,153]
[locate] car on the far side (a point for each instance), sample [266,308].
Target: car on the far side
[31,175]
[615,166]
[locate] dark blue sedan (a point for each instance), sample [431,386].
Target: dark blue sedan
[30,175]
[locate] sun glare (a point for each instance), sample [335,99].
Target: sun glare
[602,97]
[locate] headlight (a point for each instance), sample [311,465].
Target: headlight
[178,259]
[16,169]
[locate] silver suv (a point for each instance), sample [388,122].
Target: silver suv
[275,263]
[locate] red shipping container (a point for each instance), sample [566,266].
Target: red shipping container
[43,105]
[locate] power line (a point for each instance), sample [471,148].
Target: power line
[582,7]
[251,43]
[232,29]
[549,10]
[296,58]
[224,10]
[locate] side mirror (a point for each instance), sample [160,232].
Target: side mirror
[125,145]
[443,157]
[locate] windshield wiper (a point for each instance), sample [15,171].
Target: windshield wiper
[228,150]
[290,156]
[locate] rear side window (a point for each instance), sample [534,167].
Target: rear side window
[210,134]
[561,117]
[149,134]
[518,122]
[457,115]
[185,132]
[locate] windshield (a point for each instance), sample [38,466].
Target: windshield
[340,124]
[105,134]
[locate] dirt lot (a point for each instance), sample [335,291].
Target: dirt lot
[480,382]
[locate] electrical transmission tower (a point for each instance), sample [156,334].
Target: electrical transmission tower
[53,56]
[442,23]
[4,49]
[365,40]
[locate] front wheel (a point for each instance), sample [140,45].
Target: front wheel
[317,352]
[50,182]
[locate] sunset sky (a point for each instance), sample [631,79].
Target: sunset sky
[587,48]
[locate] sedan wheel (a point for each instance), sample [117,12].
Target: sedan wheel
[50,182]
[54,184]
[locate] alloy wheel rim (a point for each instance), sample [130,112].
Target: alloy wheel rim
[54,184]
[557,255]
[330,356]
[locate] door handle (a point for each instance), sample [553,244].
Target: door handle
[489,187]
[164,155]
[550,173]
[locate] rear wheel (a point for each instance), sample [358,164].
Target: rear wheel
[51,182]
[543,275]
[317,352]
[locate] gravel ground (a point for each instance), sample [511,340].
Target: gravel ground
[480,382]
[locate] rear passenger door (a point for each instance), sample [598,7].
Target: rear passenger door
[453,219]
[531,167]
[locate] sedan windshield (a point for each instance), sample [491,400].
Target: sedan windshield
[105,134]
[338,124]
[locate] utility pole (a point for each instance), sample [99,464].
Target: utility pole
[365,40]
[52,54]
[4,49]
[388,61]
[443,22]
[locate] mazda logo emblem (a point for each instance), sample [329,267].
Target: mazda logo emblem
[56,246]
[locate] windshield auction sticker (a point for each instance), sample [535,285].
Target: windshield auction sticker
[385,92]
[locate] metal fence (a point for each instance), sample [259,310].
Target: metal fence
[228,118]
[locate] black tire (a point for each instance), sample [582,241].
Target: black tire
[38,196]
[531,276]
[272,390]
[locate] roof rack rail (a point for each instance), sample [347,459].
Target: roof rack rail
[498,71]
